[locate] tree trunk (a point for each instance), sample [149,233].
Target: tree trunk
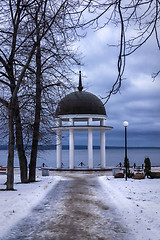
[20,145]
[10,164]
[32,165]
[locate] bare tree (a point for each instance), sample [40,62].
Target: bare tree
[141,16]
[54,57]
[11,17]
[25,26]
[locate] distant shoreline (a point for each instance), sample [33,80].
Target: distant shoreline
[77,147]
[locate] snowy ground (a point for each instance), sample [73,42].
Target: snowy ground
[14,205]
[136,201]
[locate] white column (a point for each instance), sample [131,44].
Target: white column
[59,145]
[71,146]
[90,145]
[102,149]
[102,122]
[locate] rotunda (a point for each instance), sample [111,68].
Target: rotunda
[83,108]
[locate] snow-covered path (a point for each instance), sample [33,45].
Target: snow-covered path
[74,209]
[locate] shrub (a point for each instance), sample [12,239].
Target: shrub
[147,168]
[130,174]
[127,164]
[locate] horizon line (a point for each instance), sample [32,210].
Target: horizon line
[66,147]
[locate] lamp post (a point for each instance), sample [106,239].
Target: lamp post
[125,124]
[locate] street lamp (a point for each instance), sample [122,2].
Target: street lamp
[125,124]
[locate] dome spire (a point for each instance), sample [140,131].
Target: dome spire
[80,87]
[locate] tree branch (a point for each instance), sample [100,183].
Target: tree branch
[4,102]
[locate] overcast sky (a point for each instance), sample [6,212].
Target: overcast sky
[139,100]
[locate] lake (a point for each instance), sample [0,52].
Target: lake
[113,157]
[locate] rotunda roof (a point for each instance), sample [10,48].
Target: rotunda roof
[80,102]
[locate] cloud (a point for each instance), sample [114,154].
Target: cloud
[139,98]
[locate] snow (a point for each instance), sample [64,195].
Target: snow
[14,205]
[136,201]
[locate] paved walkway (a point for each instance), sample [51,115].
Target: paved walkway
[74,209]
